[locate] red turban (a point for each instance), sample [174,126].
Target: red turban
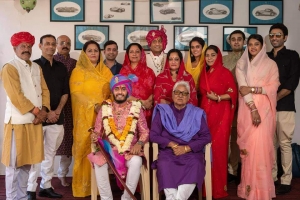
[153,34]
[20,37]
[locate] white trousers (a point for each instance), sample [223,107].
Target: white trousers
[132,179]
[64,164]
[53,136]
[285,126]
[15,177]
[183,192]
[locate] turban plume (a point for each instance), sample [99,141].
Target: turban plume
[20,37]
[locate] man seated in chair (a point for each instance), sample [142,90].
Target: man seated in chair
[123,124]
[181,132]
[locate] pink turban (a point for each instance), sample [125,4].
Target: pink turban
[20,37]
[153,34]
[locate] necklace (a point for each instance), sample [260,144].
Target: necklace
[158,65]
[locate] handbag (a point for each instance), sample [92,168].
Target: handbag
[296,160]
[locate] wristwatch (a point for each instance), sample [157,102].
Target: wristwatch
[252,90]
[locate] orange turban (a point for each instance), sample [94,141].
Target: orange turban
[20,37]
[153,34]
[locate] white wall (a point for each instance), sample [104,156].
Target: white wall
[14,19]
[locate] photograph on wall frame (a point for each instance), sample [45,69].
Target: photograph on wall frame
[184,34]
[67,11]
[137,34]
[166,11]
[116,10]
[216,12]
[229,29]
[84,33]
[265,12]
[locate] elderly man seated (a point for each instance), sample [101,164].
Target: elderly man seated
[181,132]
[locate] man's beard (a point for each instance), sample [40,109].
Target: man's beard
[120,101]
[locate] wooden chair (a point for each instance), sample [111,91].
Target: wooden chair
[144,179]
[207,178]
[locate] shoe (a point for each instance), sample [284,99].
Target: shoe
[276,183]
[31,195]
[231,178]
[49,193]
[283,189]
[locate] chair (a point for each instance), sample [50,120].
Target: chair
[207,178]
[144,179]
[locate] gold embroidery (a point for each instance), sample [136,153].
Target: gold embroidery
[230,90]
[153,34]
[248,189]
[117,79]
[244,152]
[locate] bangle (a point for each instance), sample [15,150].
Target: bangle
[176,145]
[219,98]
[140,143]
[185,149]
[253,110]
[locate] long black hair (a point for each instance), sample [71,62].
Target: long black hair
[200,41]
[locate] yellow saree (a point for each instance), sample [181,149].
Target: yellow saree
[88,85]
[195,72]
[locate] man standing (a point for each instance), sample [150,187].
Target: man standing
[157,41]
[110,53]
[28,99]
[289,69]
[129,149]
[56,76]
[65,149]
[236,41]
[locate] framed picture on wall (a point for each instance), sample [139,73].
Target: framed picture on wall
[67,11]
[116,11]
[216,12]
[166,12]
[84,33]
[184,34]
[229,29]
[265,12]
[137,34]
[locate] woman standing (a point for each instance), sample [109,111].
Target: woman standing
[196,59]
[174,71]
[218,99]
[89,86]
[135,63]
[258,81]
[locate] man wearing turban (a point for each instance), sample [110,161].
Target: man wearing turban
[122,123]
[28,101]
[157,41]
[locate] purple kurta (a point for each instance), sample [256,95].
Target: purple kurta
[188,168]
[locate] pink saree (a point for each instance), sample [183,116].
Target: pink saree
[256,143]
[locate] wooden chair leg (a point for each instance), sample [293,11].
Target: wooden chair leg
[94,189]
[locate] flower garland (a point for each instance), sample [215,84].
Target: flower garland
[121,140]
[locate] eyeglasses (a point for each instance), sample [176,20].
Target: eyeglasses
[178,93]
[277,35]
[65,43]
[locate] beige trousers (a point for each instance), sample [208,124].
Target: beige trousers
[285,126]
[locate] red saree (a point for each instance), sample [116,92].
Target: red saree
[164,84]
[143,88]
[219,118]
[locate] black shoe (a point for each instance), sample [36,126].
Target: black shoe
[49,193]
[283,189]
[231,178]
[31,195]
[277,183]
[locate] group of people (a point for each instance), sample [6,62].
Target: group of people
[240,103]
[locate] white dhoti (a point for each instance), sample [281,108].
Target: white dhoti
[64,164]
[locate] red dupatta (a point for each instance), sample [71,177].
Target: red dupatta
[143,88]
[164,84]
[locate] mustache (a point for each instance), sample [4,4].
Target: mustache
[65,48]
[26,52]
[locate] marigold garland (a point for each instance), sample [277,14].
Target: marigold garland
[121,140]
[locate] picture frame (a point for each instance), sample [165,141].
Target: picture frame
[67,11]
[184,34]
[84,33]
[137,33]
[117,11]
[166,12]
[248,30]
[216,11]
[265,12]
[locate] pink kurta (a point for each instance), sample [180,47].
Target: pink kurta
[256,143]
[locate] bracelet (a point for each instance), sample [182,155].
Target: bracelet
[219,98]
[140,143]
[176,145]
[185,149]
[253,110]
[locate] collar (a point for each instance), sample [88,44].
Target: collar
[44,60]
[236,55]
[105,62]
[280,51]
[60,56]
[160,56]
[23,61]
